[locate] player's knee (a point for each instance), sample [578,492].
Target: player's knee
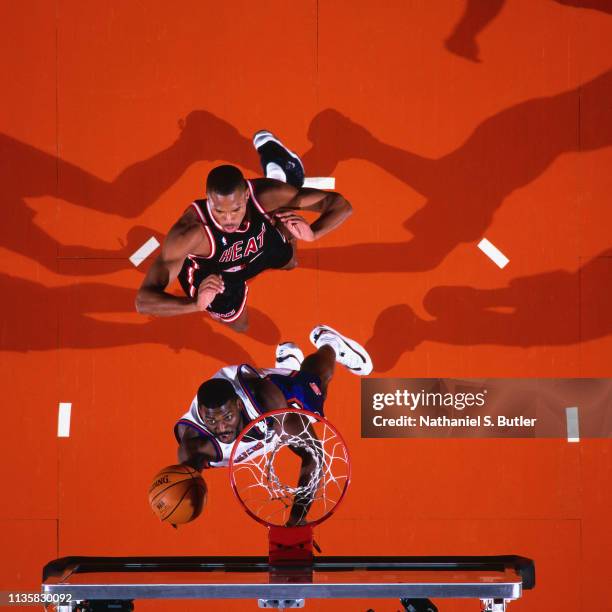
[329,353]
[239,326]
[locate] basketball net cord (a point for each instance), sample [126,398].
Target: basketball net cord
[269,497]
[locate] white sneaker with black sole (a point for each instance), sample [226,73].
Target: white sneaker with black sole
[289,356]
[277,161]
[348,352]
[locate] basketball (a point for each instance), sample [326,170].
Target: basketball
[178,494]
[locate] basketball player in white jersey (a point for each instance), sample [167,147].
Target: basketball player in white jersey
[236,395]
[241,229]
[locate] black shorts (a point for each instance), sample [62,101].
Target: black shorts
[301,390]
[229,305]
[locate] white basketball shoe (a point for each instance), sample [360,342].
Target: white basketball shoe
[348,352]
[289,356]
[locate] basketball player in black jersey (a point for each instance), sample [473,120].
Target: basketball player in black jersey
[241,229]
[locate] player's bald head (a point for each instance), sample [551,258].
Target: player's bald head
[225,180]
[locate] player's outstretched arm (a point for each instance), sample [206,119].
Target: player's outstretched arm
[194,450]
[305,496]
[152,297]
[283,201]
[310,451]
[334,209]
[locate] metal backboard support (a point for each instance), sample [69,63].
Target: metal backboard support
[89,582]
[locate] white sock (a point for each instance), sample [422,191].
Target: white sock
[274,171]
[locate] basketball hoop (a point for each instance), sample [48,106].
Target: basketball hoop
[290,469]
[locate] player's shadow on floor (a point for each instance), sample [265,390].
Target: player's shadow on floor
[466,187]
[51,318]
[553,308]
[463,189]
[478,15]
[28,172]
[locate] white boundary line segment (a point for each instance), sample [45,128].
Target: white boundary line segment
[493,253]
[144,251]
[63,420]
[320,182]
[573,433]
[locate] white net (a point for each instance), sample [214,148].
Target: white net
[290,468]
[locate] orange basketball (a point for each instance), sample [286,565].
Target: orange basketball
[178,494]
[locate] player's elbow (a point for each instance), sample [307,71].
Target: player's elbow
[346,207]
[140,303]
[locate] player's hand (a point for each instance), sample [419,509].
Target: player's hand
[210,287]
[296,225]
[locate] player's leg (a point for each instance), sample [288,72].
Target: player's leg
[321,364]
[307,384]
[277,161]
[241,324]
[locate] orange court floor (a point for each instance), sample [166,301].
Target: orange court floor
[442,123]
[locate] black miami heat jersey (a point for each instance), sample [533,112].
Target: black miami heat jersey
[257,245]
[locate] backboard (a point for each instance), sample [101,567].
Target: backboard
[494,581]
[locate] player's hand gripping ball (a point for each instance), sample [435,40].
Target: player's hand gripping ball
[178,494]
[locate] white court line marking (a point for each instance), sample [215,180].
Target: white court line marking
[493,253]
[63,420]
[320,182]
[144,251]
[573,433]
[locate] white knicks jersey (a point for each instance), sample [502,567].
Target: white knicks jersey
[236,376]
